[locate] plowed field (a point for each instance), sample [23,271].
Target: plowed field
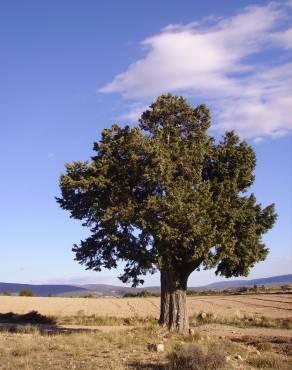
[278,305]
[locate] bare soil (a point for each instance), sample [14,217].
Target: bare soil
[268,305]
[124,347]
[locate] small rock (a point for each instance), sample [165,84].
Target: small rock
[238,357]
[160,347]
[202,315]
[228,358]
[157,347]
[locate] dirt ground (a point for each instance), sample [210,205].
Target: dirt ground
[124,347]
[269,305]
[209,330]
[114,348]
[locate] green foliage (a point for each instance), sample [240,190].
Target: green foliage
[286,287]
[141,294]
[26,293]
[87,296]
[165,194]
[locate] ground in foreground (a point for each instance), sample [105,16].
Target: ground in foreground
[132,348]
[228,332]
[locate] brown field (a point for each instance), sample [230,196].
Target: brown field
[219,344]
[268,305]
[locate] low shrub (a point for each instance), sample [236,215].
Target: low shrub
[89,320]
[6,293]
[270,361]
[192,357]
[265,346]
[26,293]
[142,294]
[244,321]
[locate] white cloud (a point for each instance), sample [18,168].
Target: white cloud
[262,104]
[134,112]
[223,64]
[79,280]
[284,38]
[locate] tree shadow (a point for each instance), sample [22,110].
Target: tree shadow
[16,323]
[30,318]
[148,366]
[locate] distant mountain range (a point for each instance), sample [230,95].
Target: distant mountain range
[113,290]
[42,290]
[226,284]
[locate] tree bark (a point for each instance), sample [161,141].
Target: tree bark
[173,306]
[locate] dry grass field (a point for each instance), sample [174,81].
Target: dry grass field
[270,305]
[244,332]
[129,349]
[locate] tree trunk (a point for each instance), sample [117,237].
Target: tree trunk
[173,307]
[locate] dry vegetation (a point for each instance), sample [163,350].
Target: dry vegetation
[235,332]
[130,350]
[268,305]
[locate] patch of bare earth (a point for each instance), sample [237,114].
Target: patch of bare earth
[132,348]
[269,305]
[116,334]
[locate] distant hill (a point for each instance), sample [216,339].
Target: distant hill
[103,289]
[43,290]
[114,290]
[274,280]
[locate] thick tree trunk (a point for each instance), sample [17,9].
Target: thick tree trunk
[173,306]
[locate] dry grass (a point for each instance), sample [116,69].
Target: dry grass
[30,349]
[73,351]
[269,361]
[245,321]
[128,350]
[95,320]
[267,305]
[242,321]
[193,357]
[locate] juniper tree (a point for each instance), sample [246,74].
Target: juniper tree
[164,195]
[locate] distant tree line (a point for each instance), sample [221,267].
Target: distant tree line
[146,293]
[142,294]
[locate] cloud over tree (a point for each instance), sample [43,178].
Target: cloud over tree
[239,63]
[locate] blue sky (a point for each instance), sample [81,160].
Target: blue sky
[70,68]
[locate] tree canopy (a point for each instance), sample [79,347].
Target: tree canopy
[164,194]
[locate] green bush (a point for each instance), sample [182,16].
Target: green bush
[142,294]
[26,293]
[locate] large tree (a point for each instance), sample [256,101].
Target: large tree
[164,195]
